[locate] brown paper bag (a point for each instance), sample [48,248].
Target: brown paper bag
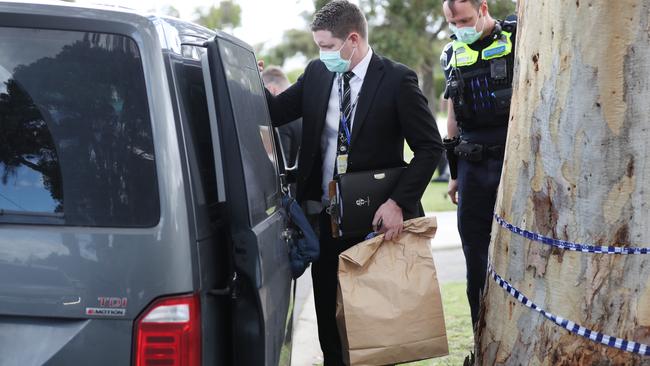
[388,305]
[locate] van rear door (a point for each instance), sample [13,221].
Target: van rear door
[86,239]
[241,123]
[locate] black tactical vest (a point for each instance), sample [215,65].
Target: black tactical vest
[479,78]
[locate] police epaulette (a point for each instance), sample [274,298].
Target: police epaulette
[509,24]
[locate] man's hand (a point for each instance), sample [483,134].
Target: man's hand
[392,221]
[452,191]
[260,66]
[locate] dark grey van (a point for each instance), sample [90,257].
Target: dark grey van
[140,219]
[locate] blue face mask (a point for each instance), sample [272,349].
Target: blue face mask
[467,35]
[333,60]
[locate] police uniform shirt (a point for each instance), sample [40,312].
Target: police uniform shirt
[493,135]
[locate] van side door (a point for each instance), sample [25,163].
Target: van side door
[262,291]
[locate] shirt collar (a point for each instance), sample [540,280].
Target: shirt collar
[362,67]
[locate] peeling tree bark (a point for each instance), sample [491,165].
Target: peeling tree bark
[577,168]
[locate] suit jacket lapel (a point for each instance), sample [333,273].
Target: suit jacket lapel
[367,93]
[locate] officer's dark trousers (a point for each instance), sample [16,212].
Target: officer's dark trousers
[477,190]
[325,278]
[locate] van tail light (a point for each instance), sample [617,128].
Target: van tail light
[168,333]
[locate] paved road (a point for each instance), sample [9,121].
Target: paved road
[303,291]
[450,265]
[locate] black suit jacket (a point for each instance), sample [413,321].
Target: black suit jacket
[391,108]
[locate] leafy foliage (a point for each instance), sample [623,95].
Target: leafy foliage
[225,16]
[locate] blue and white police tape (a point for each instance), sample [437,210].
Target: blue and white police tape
[622,344]
[562,244]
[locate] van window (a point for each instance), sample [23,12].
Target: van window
[76,143]
[191,89]
[253,130]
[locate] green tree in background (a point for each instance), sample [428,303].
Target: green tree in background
[294,42]
[171,11]
[226,16]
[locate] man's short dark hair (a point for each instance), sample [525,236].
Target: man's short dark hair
[475,3]
[341,18]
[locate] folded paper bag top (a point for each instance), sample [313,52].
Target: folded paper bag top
[388,307]
[362,252]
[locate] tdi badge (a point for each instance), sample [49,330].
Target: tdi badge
[498,68]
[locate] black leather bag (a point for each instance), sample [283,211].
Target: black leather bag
[359,195]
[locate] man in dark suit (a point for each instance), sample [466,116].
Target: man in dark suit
[357,104]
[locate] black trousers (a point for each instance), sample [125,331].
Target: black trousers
[477,190]
[325,279]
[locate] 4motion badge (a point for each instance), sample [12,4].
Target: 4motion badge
[109,306]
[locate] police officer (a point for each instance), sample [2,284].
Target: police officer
[478,66]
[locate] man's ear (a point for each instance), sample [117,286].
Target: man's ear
[484,8]
[355,38]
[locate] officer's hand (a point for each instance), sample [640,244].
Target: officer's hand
[260,66]
[392,221]
[452,191]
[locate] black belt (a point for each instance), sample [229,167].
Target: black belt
[495,150]
[477,152]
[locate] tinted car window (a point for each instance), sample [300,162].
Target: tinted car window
[253,130]
[76,143]
[194,103]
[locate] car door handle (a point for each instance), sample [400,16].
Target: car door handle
[231,289]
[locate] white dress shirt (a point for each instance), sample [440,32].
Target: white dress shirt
[328,140]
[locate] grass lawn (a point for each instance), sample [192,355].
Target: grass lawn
[459,326]
[435,198]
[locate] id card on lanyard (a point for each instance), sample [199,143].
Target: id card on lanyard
[345,138]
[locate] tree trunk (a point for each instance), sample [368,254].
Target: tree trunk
[577,168]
